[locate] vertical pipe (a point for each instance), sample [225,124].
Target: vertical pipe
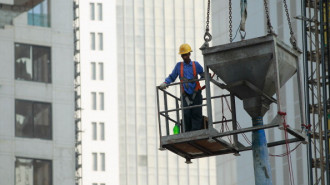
[324,91]
[208,97]
[306,90]
[166,114]
[159,124]
[262,169]
[233,109]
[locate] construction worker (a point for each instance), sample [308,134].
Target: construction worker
[191,91]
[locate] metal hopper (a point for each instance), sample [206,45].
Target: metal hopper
[253,69]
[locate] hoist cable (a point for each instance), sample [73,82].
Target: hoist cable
[230,22]
[293,40]
[269,24]
[207,35]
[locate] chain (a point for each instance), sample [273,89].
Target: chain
[269,24]
[230,22]
[207,35]
[292,38]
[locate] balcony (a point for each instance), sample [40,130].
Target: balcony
[9,9]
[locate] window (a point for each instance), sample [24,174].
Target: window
[101,76]
[94,130]
[33,119]
[101,131]
[97,104]
[94,161]
[102,161]
[97,71]
[33,172]
[92,41]
[32,63]
[98,128]
[93,70]
[40,14]
[100,35]
[100,11]
[93,100]
[101,96]
[92,11]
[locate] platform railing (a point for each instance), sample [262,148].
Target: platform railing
[178,119]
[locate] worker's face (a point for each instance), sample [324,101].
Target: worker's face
[186,57]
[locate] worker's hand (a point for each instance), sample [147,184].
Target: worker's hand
[163,85]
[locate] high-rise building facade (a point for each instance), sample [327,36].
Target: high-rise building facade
[241,168]
[36,94]
[99,92]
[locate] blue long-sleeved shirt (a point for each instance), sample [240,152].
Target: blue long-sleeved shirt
[188,73]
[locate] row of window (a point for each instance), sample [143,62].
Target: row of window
[39,172]
[40,14]
[32,63]
[34,120]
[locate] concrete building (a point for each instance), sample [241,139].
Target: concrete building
[239,170]
[36,93]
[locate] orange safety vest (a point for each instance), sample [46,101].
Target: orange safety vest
[198,86]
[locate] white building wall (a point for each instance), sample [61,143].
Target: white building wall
[108,86]
[256,27]
[60,149]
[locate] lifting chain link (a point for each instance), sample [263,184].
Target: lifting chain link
[293,40]
[230,22]
[269,24]
[207,35]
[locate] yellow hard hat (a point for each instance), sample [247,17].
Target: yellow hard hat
[184,49]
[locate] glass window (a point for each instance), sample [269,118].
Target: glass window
[100,11]
[93,70]
[32,63]
[101,96]
[33,172]
[94,161]
[92,41]
[42,117]
[33,119]
[101,76]
[94,132]
[94,183]
[102,161]
[102,131]
[92,11]
[93,100]
[102,184]
[40,14]
[100,41]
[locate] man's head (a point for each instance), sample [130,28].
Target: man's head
[184,51]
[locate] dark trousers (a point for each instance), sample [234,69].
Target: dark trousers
[193,119]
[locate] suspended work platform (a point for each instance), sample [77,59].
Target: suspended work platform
[252,70]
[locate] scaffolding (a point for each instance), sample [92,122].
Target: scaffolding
[316,62]
[77,94]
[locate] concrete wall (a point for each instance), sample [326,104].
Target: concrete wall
[60,150]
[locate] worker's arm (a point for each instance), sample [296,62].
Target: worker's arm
[172,77]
